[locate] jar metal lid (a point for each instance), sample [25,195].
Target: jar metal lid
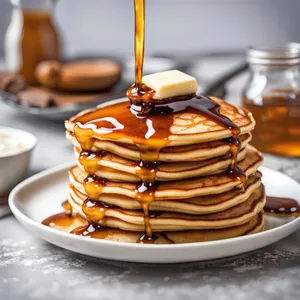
[281,56]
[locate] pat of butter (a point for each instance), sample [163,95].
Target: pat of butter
[171,84]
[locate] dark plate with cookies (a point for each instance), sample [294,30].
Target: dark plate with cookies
[66,88]
[50,110]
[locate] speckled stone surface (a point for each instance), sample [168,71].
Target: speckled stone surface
[33,269]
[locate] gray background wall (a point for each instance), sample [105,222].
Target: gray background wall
[106,26]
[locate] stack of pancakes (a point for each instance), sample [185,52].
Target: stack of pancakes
[193,197]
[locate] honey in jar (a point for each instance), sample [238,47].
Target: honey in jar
[273,96]
[31,37]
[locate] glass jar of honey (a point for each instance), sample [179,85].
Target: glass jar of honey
[272,94]
[31,37]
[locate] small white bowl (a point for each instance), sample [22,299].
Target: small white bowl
[14,167]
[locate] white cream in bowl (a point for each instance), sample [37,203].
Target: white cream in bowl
[10,145]
[15,151]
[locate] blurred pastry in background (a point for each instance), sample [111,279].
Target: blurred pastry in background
[79,76]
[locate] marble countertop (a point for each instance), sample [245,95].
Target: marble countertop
[31,268]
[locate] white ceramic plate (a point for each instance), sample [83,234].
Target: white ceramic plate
[41,195]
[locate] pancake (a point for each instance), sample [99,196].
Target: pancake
[182,189]
[133,220]
[256,224]
[196,152]
[198,205]
[187,127]
[182,169]
[113,167]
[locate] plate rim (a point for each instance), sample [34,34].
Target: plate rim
[64,167]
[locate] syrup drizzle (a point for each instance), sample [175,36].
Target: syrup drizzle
[282,206]
[93,230]
[140,97]
[146,239]
[139,6]
[95,210]
[91,160]
[65,221]
[68,210]
[94,186]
